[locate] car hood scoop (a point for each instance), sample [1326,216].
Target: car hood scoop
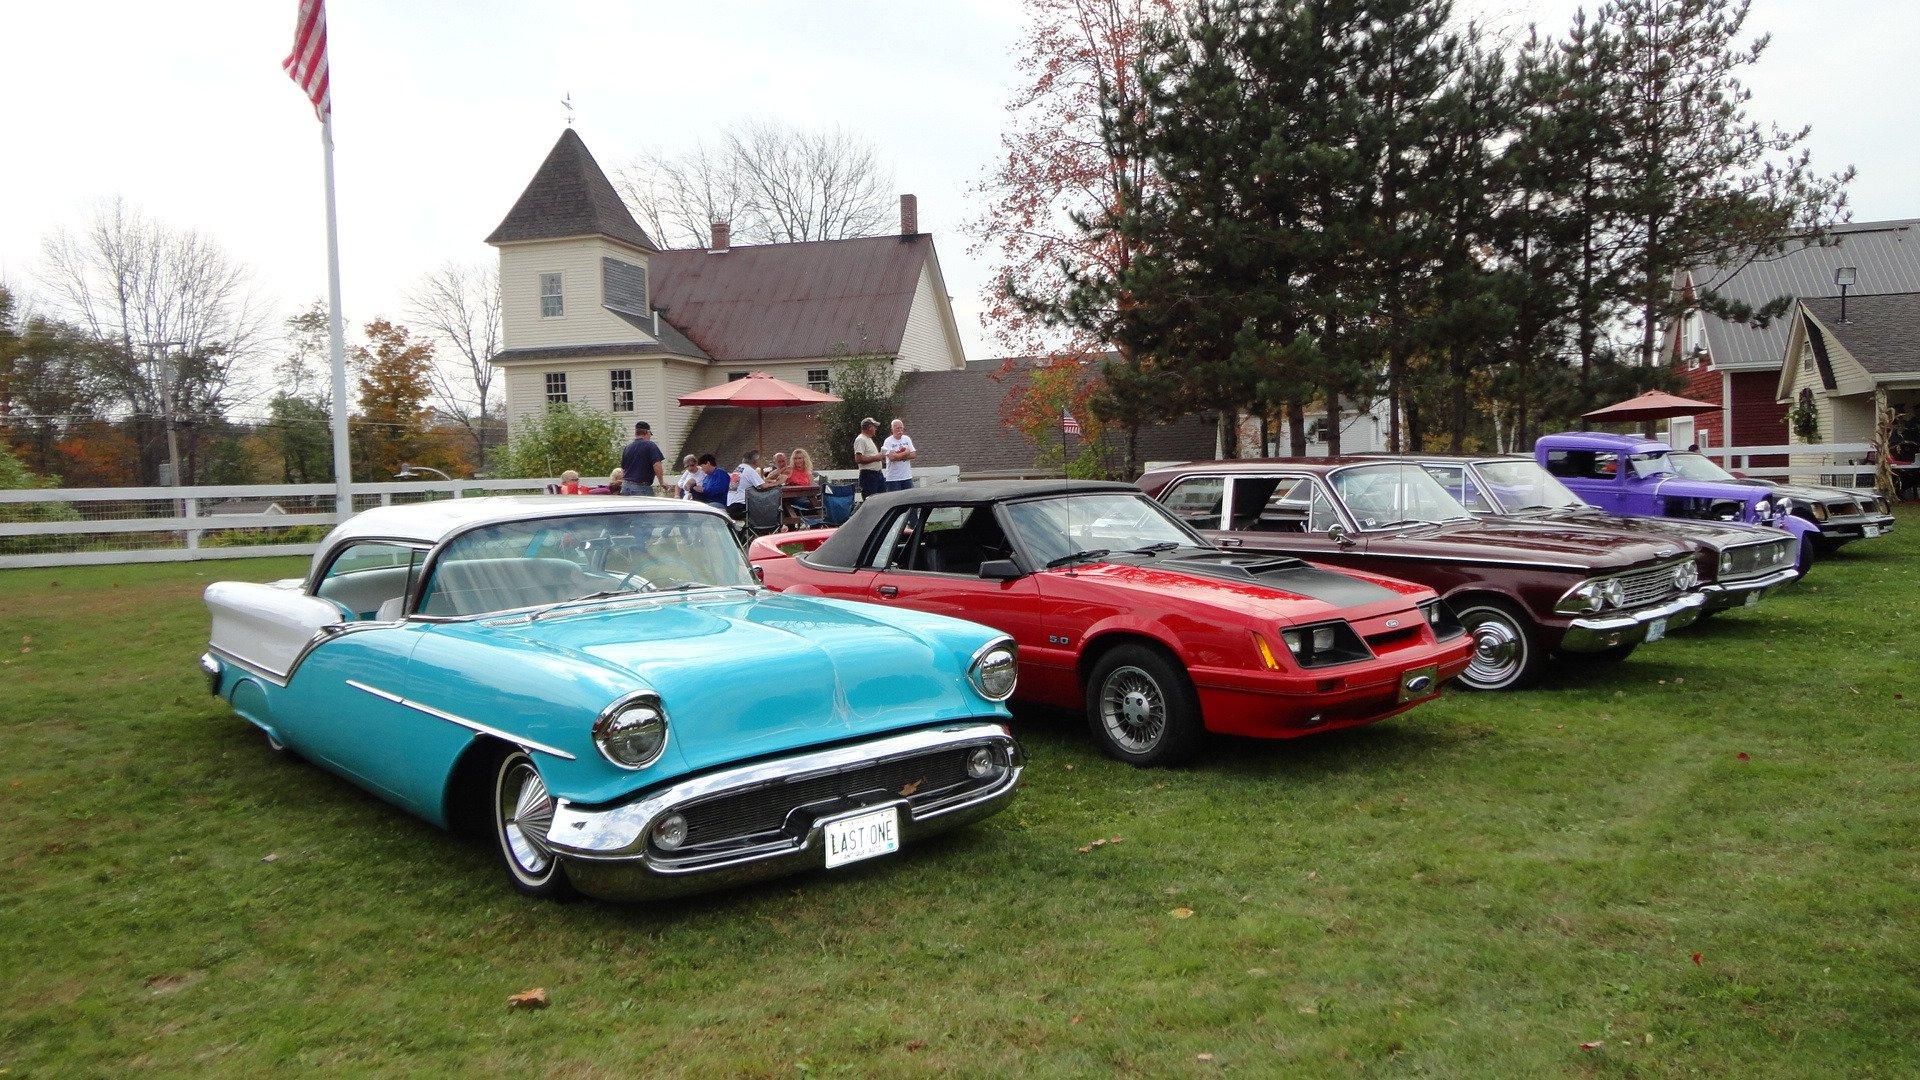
[1283,572]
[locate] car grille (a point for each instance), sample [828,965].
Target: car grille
[1649,586]
[767,813]
[1753,560]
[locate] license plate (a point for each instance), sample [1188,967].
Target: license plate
[1420,682]
[1870,531]
[1656,629]
[1752,598]
[862,836]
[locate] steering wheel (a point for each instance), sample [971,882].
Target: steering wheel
[645,584]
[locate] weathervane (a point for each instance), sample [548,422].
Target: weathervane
[566,100]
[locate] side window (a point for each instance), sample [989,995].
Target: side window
[551,304]
[1271,504]
[1196,500]
[957,539]
[1583,464]
[896,541]
[1321,517]
[364,577]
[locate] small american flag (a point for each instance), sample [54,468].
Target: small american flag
[1068,424]
[307,64]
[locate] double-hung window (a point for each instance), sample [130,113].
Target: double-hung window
[551,304]
[556,388]
[620,382]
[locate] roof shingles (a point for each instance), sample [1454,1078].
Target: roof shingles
[1882,331]
[570,196]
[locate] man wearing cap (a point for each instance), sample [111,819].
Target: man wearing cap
[641,463]
[869,459]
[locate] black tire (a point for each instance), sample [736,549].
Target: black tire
[1142,708]
[1807,557]
[522,811]
[1506,653]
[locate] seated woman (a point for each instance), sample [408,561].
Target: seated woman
[570,484]
[800,474]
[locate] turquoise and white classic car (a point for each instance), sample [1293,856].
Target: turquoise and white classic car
[603,685]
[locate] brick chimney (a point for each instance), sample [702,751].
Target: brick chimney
[722,236]
[909,215]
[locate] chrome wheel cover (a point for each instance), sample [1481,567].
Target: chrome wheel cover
[1133,710]
[1499,649]
[524,814]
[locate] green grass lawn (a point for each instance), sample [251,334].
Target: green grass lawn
[1702,860]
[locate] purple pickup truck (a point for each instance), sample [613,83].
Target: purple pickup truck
[1630,475]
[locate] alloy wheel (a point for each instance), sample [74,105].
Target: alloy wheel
[1133,709]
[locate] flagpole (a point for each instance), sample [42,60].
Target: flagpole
[337,339]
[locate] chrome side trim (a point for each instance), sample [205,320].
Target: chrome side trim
[210,667]
[252,667]
[450,718]
[329,633]
[1746,585]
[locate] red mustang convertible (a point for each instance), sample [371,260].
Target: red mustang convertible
[1119,608]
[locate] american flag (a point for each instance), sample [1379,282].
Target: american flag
[1068,424]
[307,64]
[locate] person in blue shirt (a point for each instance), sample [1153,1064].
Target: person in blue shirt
[714,481]
[641,463]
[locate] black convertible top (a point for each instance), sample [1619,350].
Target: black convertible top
[842,550]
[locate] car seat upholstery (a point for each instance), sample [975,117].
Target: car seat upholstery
[476,586]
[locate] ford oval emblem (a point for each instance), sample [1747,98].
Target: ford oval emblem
[1419,684]
[1391,623]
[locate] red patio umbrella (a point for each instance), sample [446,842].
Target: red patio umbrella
[1652,405]
[758,391]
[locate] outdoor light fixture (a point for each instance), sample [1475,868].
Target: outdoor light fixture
[1843,277]
[408,472]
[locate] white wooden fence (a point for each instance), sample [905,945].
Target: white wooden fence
[83,526]
[1836,464]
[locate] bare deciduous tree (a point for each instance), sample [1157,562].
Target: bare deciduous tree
[771,182]
[459,309]
[186,316]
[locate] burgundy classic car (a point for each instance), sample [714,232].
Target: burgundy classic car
[1121,610]
[1524,589]
[1738,564]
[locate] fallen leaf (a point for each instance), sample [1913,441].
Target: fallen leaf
[1203,1057]
[1309,1010]
[1076,1019]
[271,856]
[1313,875]
[1696,959]
[1084,848]
[535,998]
[1594,1045]
[1741,756]
[916,1046]
[1647,1038]
[1069,766]
[165,984]
[1182,913]
[910,787]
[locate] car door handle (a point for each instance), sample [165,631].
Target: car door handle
[889,591]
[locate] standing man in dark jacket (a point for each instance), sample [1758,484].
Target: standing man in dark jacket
[641,461]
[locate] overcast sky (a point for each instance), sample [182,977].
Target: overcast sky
[443,111]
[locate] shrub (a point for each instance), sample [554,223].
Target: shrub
[564,437]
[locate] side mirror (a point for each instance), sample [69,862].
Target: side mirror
[759,573]
[1338,534]
[1000,570]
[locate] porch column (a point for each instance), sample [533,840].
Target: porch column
[1726,419]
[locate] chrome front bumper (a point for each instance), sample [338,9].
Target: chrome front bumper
[608,854]
[1606,632]
[1721,596]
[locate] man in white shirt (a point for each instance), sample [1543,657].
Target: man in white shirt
[867,456]
[899,452]
[690,477]
[746,477]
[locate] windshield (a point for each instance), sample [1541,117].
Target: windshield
[1524,485]
[1382,496]
[1650,464]
[522,564]
[1048,530]
[1698,467]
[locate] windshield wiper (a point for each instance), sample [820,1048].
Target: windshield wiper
[1403,521]
[1537,506]
[1156,548]
[1078,556]
[587,598]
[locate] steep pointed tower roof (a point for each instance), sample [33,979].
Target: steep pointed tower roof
[570,196]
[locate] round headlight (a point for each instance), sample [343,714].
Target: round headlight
[670,832]
[1763,508]
[632,732]
[1614,593]
[1726,562]
[980,762]
[994,671]
[1685,577]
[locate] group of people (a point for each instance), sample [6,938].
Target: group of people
[882,466]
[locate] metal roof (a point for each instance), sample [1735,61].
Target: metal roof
[1886,254]
[817,298]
